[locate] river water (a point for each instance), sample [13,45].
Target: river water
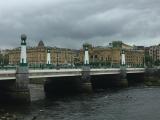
[133,103]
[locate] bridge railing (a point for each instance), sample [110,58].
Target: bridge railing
[8,67]
[44,66]
[80,66]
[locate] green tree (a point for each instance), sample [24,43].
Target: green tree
[157,63]
[149,61]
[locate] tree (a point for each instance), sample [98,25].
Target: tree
[157,63]
[148,60]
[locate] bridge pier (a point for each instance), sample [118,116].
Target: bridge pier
[20,92]
[69,85]
[122,82]
[85,84]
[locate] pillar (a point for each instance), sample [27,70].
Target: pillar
[21,91]
[48,56]
[122,79]
[85,84]
[86,55]
[123,82]
[23,56]
[123,60]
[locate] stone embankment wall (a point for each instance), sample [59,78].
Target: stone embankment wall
[152,77]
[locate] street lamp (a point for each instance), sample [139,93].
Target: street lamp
[71,55]
[57,51]
[111,56]
[144,58]
[65,62]
[2,62]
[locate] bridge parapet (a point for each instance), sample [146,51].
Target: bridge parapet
[7,74]
[135,70]
[11,74]
[105,71]
[54,73]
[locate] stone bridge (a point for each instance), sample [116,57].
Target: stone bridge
[15,83]
[47,73]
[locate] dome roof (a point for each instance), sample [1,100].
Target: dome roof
[41,44]
[23,37]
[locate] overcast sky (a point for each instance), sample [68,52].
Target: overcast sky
[70,23]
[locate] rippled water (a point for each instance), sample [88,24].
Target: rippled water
[136,103]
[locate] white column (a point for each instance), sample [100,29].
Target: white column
[23,54]
[86,56]
[48,56]
[23,57]
[123,60]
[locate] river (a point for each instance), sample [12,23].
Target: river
[133,103]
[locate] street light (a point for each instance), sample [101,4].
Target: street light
[112,56]
[3,55]
[71,55]
[57,51]
[66,61]
[144,58]
[1,61]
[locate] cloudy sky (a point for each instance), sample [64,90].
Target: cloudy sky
[70,23]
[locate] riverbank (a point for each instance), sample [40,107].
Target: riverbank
[152,81]
[7,116]
[152,77]
[139,102]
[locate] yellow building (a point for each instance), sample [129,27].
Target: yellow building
[14,56]
[134,57]
[102,55]
[98,56]
[38,55]
[111,56]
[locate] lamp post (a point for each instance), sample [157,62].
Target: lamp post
[2,59]
[111,56]
[123,61]
[48,57]
[23,57]
[86,55]
[65,62]
[71,58]
[58,51]
[144,58]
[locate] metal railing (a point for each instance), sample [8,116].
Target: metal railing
[64,66]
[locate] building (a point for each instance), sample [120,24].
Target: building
[139,47]
[154,53]
[4,57]
[38,55]
[100,55]
[121,45]
[134,58]
[111,56]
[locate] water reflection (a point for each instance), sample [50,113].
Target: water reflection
[136,103]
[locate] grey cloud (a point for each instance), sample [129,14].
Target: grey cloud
[69,23]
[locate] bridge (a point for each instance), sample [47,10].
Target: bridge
[16,81]
[47,73]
